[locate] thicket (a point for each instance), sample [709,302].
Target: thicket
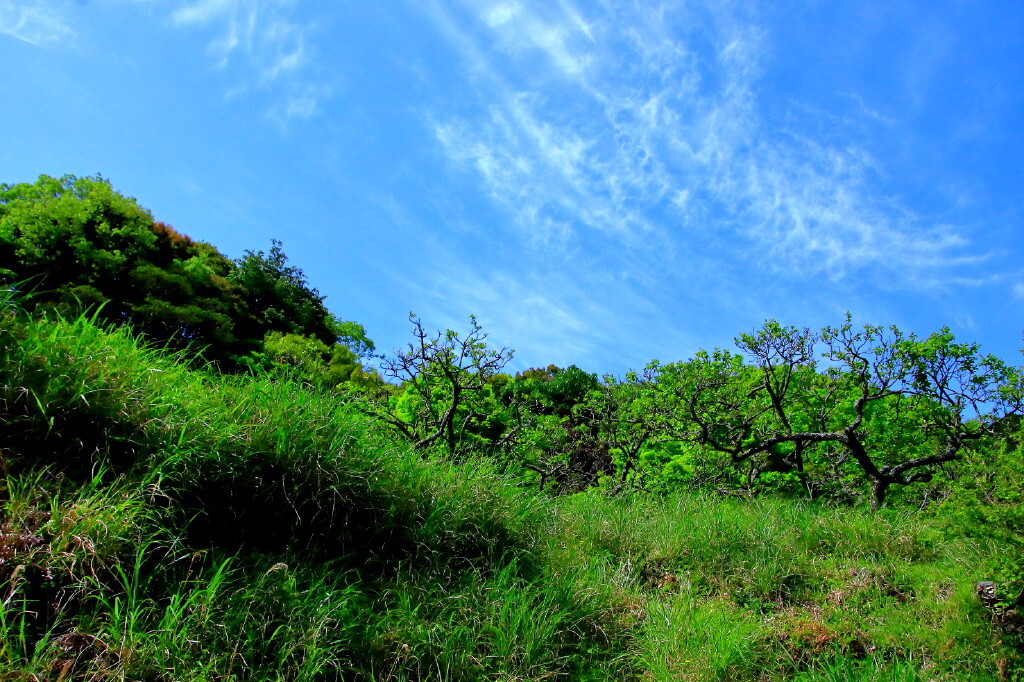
[709,519]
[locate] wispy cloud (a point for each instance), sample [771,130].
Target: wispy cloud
[33,22]
[547,316]
[264,39]
[301,101]
[644,121]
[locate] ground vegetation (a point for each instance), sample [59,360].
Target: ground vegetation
[834,505]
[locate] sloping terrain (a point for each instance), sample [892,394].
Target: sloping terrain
[162,522]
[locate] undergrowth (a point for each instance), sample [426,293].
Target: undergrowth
[161,522]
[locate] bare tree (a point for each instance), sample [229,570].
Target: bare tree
[440,373]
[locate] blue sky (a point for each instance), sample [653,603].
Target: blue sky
[601,183]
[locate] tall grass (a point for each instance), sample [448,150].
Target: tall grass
[231,506]
[735,589]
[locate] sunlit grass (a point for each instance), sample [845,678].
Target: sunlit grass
[783,587]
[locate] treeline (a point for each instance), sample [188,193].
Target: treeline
[76,243]
[848,413]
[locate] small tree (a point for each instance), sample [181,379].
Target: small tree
[311,359]
[444,376]
[626,414]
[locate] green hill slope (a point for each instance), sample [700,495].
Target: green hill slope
[165,523]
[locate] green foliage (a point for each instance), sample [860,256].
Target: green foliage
[556,390]
[352,335]
[71,230]
[312,360]
[554,427]
[987,501]
[278,297]
[887,408]
[445,394]
[79,244]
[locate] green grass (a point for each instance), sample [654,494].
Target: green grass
[785,588]
[161,522]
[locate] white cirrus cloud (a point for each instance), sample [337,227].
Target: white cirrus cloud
[36,23]
[271,47]
[645,121]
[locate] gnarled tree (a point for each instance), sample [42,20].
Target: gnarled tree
[896,406]
[443,375]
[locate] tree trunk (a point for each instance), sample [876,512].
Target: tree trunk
[878,490]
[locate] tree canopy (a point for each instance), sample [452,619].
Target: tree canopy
[78,242]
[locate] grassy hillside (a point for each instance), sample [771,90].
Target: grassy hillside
[164,523]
